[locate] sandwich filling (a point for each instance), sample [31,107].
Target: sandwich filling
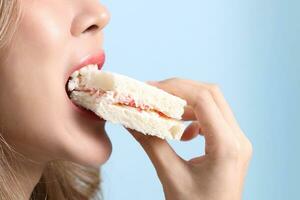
[125,101]
[114,98]
[134,104]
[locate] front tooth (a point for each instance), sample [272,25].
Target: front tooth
[71,85]
[75,74]
[90,67]
[83,70]
[93,67]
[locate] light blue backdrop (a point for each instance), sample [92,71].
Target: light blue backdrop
[251,48]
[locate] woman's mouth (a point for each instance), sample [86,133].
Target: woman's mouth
[95,59]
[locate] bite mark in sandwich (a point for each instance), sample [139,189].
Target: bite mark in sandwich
[134,104]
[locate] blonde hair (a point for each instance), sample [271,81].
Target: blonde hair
[61,180]
[9,19]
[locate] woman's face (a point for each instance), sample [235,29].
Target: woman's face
[37,117]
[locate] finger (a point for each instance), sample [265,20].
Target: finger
[201,101]
[218,98]
[188,114]
[224,106]
[221,103]
[160,153]
[197,160]
[192,131]
[219,139]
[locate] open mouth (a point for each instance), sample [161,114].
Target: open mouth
[77,84]
[129,102]
[83,111]
[97,59]
[66,88]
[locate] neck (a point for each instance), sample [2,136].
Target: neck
[27,174]
[30,177]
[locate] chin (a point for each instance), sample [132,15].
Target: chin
[88,143]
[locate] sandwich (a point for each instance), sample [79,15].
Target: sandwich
[134,104]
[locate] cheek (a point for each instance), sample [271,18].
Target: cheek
[41,47]
[40,35]
[38,54]
[43,36]
[44,24]
[32,90]
[33,102]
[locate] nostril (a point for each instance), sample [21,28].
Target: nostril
[91,28]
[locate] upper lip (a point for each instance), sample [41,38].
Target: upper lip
[92,59]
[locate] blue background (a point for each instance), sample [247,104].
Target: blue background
[251,48]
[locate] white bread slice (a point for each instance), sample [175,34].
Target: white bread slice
[142,93]
[145,122]
[116,88]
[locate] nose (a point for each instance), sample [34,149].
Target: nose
[90,19]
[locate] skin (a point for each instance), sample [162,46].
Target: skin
[37,117]
[39,121]
[220,173]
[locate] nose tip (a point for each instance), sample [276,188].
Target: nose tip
[103,17]
[92,20]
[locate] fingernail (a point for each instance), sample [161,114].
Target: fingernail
[152,82]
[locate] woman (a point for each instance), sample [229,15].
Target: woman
[49,150]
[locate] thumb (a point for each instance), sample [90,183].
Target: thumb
[161,154]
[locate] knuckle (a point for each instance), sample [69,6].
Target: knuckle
[170,80]
[234,151]
[248,148]
[215,88]
[241,150]
[203,94]
[229,150]
[176,79]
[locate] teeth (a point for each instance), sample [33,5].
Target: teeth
[88,68]
[75,74]
[72,85]
[74,82]
[84,70]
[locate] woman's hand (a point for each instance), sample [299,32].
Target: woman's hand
[220,173]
